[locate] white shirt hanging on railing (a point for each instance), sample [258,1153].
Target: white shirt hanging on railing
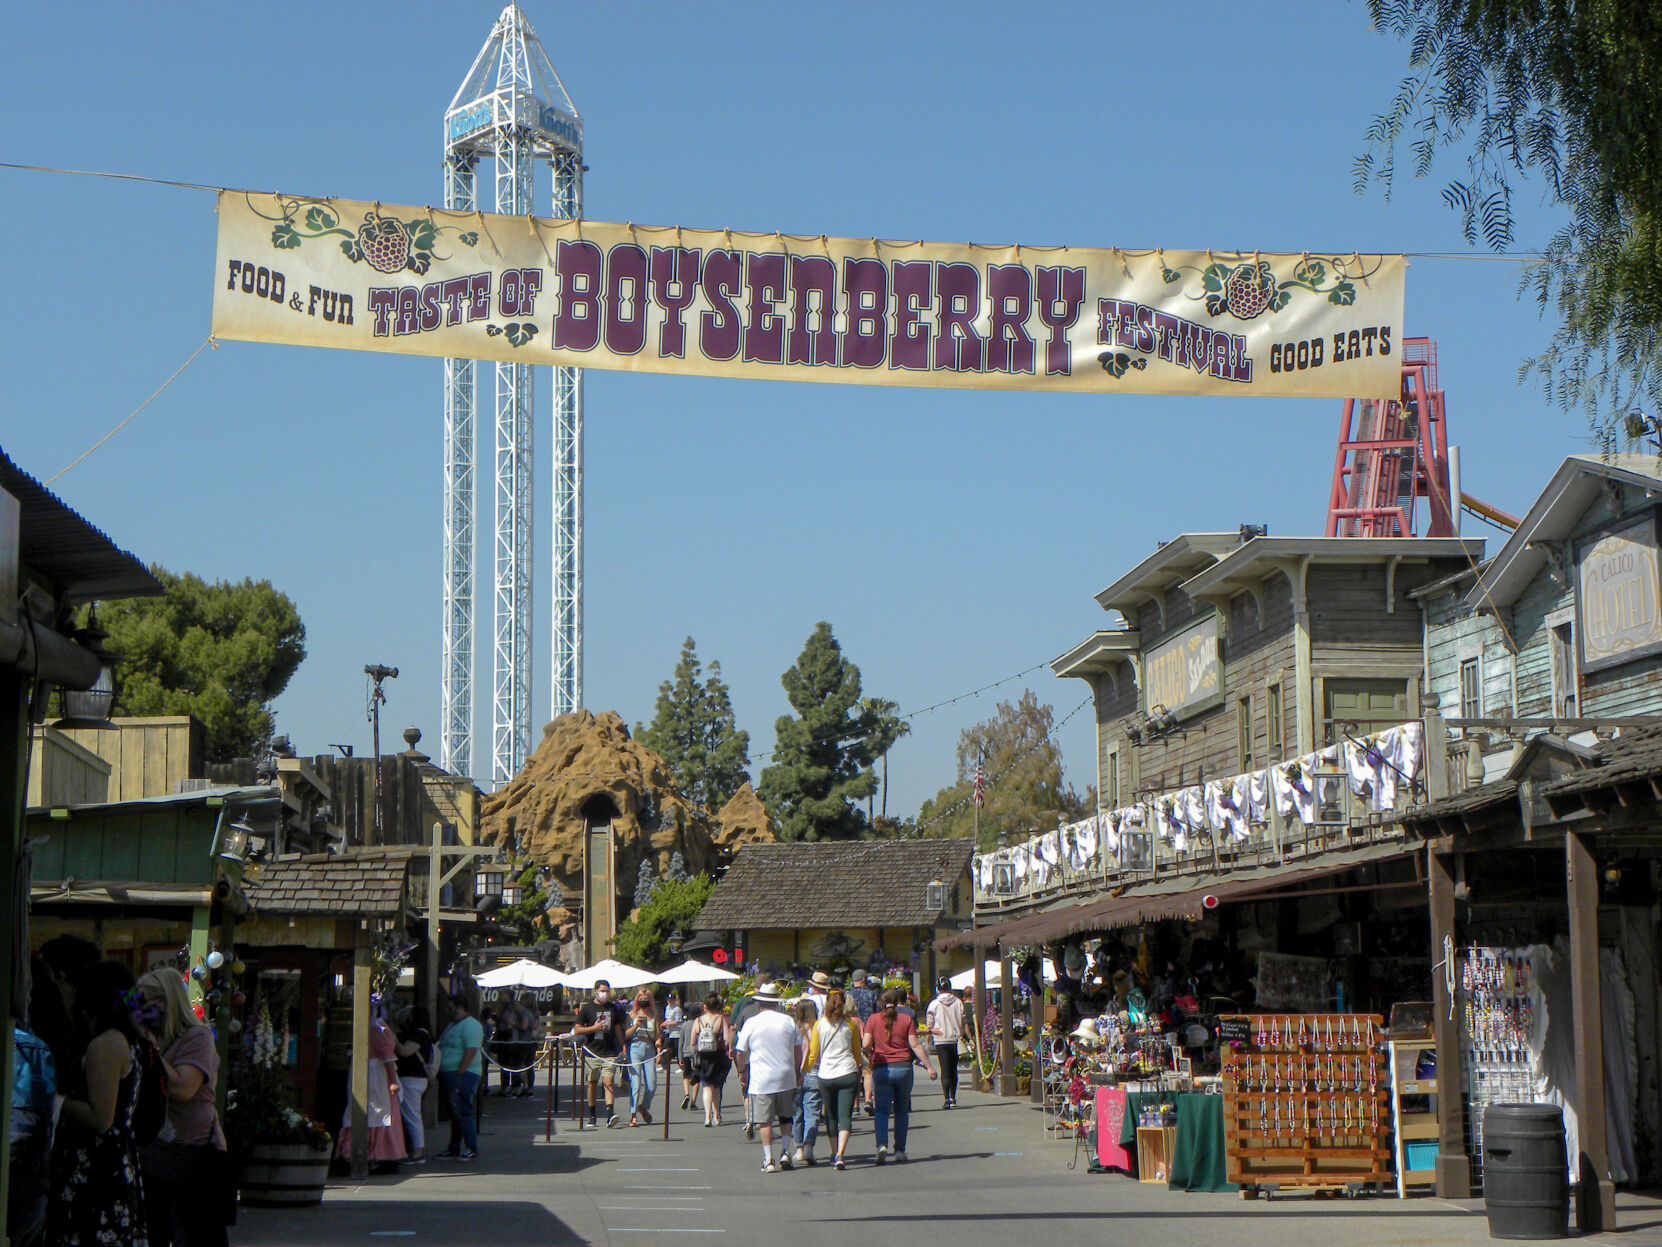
[1226,806]
[1258,796]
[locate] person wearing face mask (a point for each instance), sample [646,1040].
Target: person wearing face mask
[600,1027]
[642,1032]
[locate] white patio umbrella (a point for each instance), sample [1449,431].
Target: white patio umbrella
[694,971]
[966,978]
[614,972]
[523,973]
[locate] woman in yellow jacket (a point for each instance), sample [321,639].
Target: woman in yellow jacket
[836,1057]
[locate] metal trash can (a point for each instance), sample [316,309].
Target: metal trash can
[1526,1177]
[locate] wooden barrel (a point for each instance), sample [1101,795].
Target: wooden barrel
[1526,1174]
[284,1175]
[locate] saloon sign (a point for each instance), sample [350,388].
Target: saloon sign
[1183,674]
[524,290]
[1618,598]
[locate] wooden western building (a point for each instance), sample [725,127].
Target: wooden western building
[1233,654]
[838,905]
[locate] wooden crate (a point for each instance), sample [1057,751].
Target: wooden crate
[1155,1145]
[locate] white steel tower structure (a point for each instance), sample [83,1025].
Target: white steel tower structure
[512,108]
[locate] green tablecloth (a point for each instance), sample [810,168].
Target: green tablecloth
[1135,1100]
[1198,1162]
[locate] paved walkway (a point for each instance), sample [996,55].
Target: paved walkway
[984,1173]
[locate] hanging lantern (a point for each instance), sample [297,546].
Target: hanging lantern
[215,959]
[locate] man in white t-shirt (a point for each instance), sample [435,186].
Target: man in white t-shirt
[769,1053]
[945,1019]
[818,985]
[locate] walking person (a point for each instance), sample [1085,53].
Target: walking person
[837,1057]
[945,1020]
[862,1003]
[96,1194]
[669,1044]
[808,1106]
[599,1029]
[684,1048]
[417,1059]
[186,1169]
[818,985]
[712,1055]
[461,1066]
[642,1032]
[891,1041]
[769,1052]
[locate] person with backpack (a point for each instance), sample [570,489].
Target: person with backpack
[186,1168]
[712,1054]
[96,1196]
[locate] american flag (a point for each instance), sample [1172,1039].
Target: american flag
[980,792]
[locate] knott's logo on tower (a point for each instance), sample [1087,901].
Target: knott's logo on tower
[561,125]
[475,117]
[423,281]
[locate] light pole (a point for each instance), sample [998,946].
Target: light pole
[376,672]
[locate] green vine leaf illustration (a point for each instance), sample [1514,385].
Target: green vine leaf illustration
[1342,295]
[519,335]
[285,238]
[493,331]
[1214,277]
[320,219]
[423,235]
[1281,300]
[350,250]
[1170,276]
[1217,304]
[1311,272]
[468,239]
[419,262]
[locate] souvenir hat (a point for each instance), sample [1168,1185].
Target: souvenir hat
[821,979]
[766,994]
[1087,1032]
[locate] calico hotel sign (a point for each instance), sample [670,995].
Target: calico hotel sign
[1617,596]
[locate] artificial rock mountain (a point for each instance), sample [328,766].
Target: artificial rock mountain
[588,764]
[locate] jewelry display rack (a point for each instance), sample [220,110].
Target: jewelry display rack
[1307,1103]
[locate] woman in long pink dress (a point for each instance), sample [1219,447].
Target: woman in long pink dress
[386,1126]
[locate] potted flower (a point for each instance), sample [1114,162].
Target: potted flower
[284,1153]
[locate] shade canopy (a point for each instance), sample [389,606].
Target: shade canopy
[523,973]
[966,978]
[614,972]
[694,971]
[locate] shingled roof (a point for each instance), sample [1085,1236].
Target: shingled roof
[862,883]
[366,884]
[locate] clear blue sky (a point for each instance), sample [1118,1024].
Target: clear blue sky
[950,538]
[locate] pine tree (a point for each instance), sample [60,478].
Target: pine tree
[677,871]
[823,757]
[693,730]
[646,883]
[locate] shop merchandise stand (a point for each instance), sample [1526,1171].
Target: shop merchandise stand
[1415,1125]
[1307,1104]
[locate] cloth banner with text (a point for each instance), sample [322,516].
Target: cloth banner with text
[529,290]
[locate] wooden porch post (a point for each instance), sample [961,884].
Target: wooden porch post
[982,1083]
[1595,1200]
[1006,1024]
[358,1091]
[1454,1167]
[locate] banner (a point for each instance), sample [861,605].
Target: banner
[525,290]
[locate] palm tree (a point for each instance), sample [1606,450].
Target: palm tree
[884,728]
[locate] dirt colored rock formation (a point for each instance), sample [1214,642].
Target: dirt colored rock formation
[588,764]
[744,820]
